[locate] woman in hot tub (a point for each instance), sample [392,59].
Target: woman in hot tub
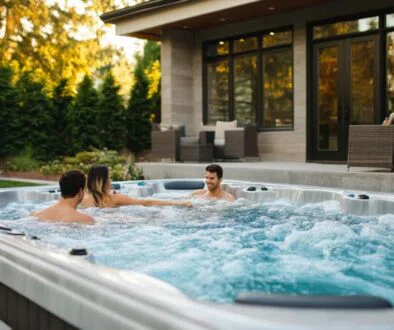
[99,193]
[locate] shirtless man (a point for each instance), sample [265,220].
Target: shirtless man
[213,179]
[72,186]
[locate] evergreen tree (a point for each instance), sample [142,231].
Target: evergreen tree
[138,111]
[153,72]
[151,53]
[36,130]
[144,98]
[112,115]
[62,100]
[83,118]
[8,114]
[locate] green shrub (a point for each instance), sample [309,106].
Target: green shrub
[120,168]
[22,162]
[134,173]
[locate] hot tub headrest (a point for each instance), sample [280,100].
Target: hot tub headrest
[184,185]
[304,301]
[4,227]
[115,186]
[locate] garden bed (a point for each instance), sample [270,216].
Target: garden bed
[35,175]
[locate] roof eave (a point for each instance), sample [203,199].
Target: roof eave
[142,8]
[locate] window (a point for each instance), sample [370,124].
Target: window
[245,89]
[218,95]
[390,20]
[244,44]
[390,72]
[346,27]
[273,39]
[250,79]
[278,89]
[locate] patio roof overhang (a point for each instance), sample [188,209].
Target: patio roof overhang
[147,20]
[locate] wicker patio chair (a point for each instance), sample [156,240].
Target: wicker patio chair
[165,145]
[241,142]
[237,142]
[371,146]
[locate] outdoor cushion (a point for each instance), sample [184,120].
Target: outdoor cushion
[220,127]
[190,140]
[219,142]
[164,128]
[169,127]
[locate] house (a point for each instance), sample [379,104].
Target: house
[301,70]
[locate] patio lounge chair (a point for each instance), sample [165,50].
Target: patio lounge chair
[371,145]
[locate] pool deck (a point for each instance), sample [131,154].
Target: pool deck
[310,174]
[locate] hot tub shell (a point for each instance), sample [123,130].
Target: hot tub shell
[83,295]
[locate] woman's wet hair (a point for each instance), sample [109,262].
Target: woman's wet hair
[98,184]
[215,168]
[71,182]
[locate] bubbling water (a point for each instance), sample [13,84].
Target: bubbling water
[215,250]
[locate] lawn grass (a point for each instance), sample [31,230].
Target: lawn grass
[12,184]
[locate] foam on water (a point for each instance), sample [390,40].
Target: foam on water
[215,250]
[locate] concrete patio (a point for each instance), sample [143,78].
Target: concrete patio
[313,174]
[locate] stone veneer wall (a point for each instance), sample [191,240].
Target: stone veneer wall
[177,78]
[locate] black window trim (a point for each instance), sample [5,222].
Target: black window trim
[260,79]
[382,31]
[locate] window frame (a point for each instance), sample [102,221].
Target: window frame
[382,31]
[386,30]
[259,52]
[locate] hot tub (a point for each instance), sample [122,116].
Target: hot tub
[292,257]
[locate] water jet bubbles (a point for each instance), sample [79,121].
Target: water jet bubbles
[215,250]
[323,210]
[387,220]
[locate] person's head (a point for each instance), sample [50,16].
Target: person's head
[72,183]
[98,183]
[213,176]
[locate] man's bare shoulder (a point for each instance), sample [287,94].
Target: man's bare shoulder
[45,213]
[71,216]
[199,192]
[82,218]
[228,196]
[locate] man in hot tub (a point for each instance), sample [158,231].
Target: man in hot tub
[72,187]
[213,179]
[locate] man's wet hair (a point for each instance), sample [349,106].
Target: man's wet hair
[215,168]
[71,182]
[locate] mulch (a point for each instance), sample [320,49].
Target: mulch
[30,175]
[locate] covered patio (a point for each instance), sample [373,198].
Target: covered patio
[284,66]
